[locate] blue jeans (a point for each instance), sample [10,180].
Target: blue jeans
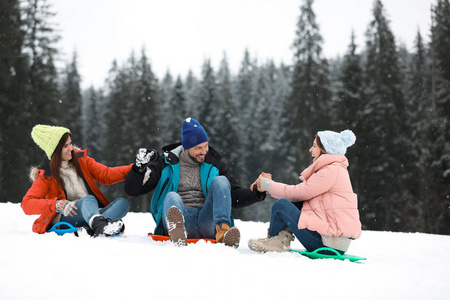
[201,222]
[88,206]
[285,213]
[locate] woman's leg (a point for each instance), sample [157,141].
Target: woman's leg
[286,214]
[86,208]
[116,210]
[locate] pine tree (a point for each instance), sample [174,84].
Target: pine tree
[40,41]
[349,108]
[310,99]
[282,163]
[93,122]
[384,135]
[207,103]
[168,126]
[145,118]
[245,84]
[115,112]
[437,158]
[226,118]
[192,88]
[243,90]
[243,100]
[130,94]
[349,102]
[29,90]
[130,89]
[416,90]
[178,110]
[269,152]
[264,121]
[42,96]
[14,123]
[71,102]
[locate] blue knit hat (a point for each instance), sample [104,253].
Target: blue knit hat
[192,133]
[336,143]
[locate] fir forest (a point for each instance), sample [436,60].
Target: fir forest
[262,118]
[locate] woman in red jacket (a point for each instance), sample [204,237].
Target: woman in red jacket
[64,187]
[329,210]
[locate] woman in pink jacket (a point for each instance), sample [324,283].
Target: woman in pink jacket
[329,214]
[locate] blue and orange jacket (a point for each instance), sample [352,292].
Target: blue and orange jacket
[42,196]
[165,177]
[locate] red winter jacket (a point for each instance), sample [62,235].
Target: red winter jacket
[42,196]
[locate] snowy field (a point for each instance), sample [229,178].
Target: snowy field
[32,266]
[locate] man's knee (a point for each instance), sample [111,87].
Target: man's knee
[173,196]
[173,199]
[221,181]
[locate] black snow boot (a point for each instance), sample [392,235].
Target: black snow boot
[106,227]
[86,230]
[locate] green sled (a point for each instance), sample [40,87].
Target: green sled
[314,254]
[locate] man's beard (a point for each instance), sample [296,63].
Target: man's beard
[194,159]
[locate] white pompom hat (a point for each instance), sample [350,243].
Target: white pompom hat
[336,143]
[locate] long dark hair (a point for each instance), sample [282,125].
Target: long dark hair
[56,160]
[320,145]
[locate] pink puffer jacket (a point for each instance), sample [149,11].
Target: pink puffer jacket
[329,205]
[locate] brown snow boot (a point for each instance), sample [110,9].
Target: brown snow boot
[175,224]
[228,236]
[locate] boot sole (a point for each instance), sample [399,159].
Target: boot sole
[175,223]
[232,237]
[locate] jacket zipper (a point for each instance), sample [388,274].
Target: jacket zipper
[163,188]
[207,179]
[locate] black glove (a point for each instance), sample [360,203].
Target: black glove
[143,157]
[260,195]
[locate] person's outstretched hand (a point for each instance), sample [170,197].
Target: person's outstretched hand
[258,181]
[143,157]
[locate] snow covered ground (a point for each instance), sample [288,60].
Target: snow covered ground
[32,266]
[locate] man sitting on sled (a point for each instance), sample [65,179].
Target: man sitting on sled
[194,189]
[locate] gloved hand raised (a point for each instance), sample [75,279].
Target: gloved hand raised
[143,157]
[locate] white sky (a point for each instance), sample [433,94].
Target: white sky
[178,35]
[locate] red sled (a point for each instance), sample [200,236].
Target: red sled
[163,238]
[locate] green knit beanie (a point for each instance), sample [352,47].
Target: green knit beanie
[48,137]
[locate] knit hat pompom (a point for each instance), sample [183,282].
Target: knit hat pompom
[336,143]
[192,133]
[48,137]
[348,137]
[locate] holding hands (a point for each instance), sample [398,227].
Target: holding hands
[263,182]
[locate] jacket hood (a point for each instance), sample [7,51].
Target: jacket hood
[34,173]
